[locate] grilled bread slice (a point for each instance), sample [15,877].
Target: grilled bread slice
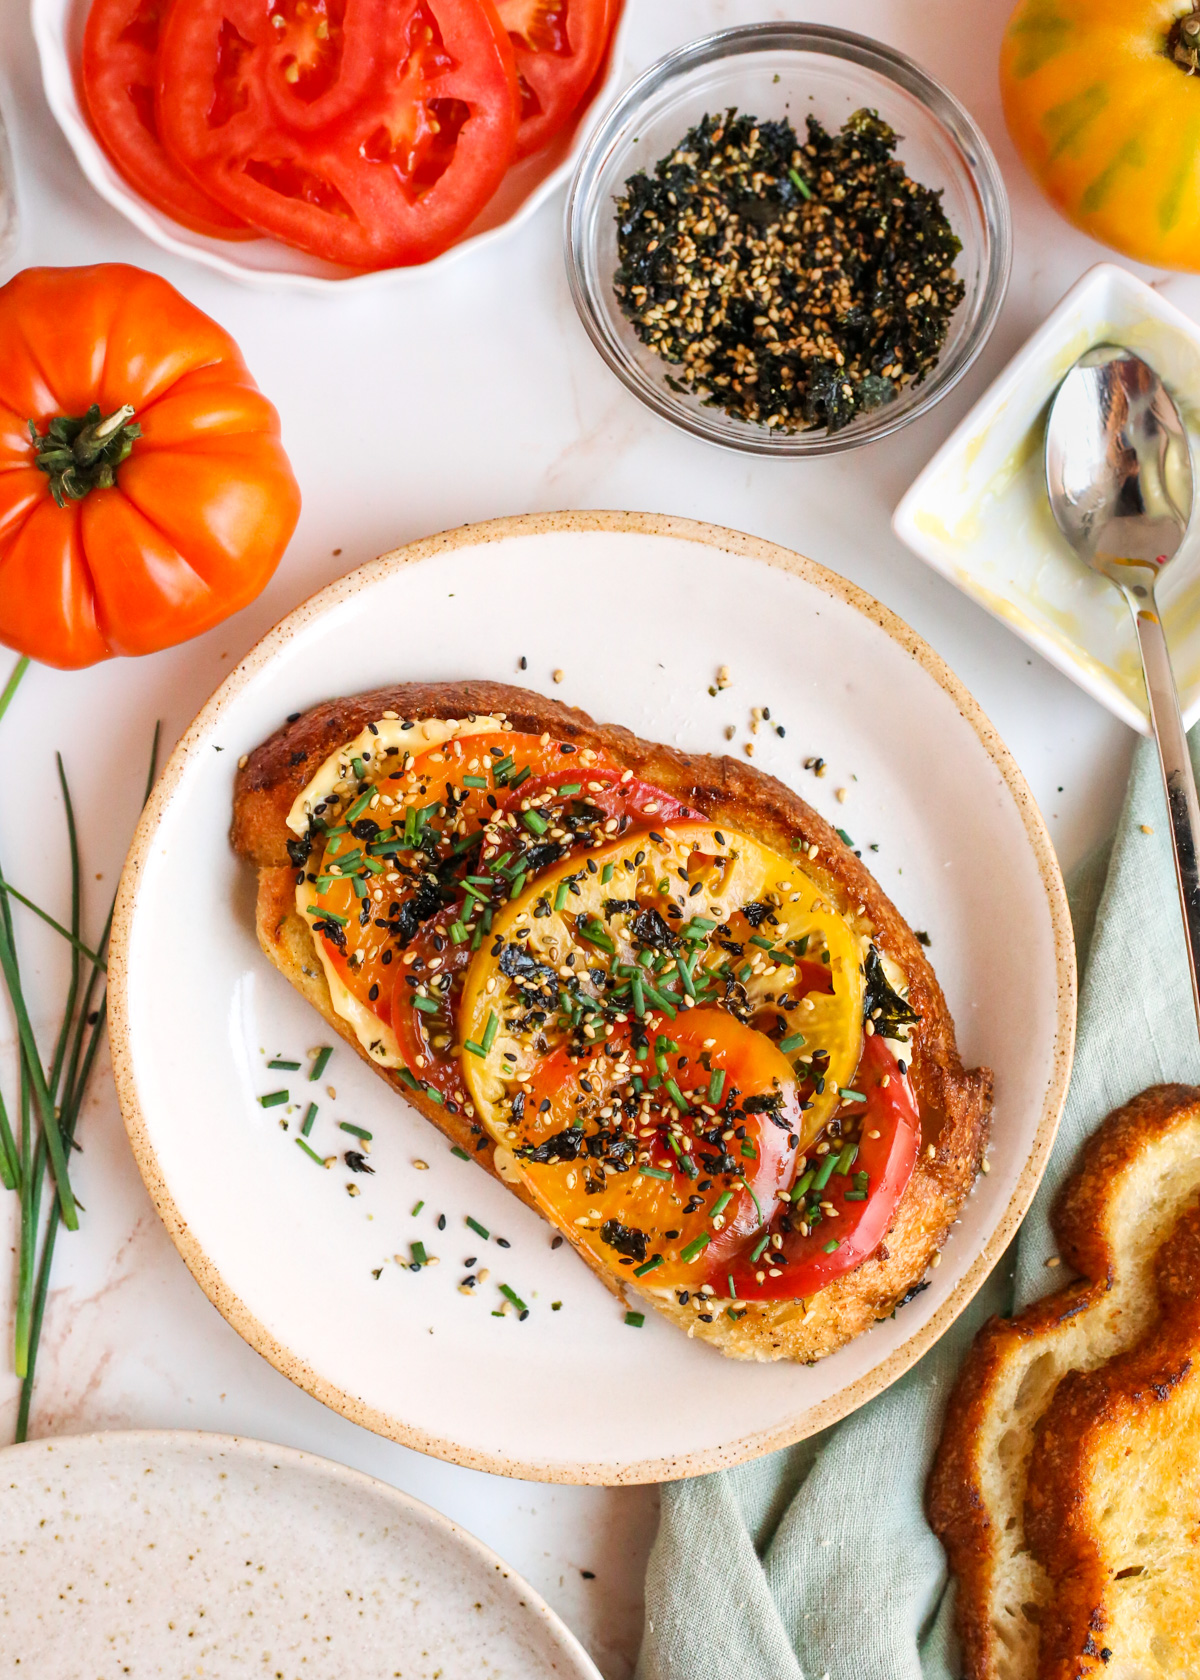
[1137,1174]
[954,1104]
[1113,1506]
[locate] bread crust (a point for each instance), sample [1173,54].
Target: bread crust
[1016,1368]
[955,1104]
[1142,1403]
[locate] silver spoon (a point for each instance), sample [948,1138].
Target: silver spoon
[1119,473]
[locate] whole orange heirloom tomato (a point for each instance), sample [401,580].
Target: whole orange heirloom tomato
[1102,100]
[144,492]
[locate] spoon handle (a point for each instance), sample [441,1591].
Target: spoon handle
[1183,806]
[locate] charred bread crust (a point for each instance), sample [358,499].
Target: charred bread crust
[955,1104]
[1095,1421]
[1082,1221]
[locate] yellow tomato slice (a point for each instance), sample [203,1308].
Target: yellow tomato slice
[622,950]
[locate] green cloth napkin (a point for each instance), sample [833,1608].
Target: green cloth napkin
[817,1561]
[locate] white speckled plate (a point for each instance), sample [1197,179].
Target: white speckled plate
[184,1555]
[638,611]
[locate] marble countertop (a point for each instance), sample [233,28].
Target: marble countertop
[472,395]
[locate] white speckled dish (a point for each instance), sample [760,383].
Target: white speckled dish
[979,513]
[187,1555]
[320,1281]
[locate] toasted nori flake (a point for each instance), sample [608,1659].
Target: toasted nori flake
[793,284]
[357,1162]
[333,931]
[619,907]
[756,912]
[518,1106]
[763,1102]
[540,857]
[298,850]
[877,994]
[562,1146]
[529,975]
[648,928]
[421,907]
[626,1239]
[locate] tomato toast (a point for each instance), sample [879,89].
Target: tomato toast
[653,992]
[1114,1221]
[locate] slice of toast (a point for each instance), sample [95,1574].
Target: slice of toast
[954,1103]
[1137,1174]
[1113,1506]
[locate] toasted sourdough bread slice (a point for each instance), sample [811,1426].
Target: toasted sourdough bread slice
[1136,1175]
[1113,1507]
[954,1104]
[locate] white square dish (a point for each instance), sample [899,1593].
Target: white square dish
[979,512]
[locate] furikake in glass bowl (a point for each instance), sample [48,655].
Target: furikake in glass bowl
[793,284]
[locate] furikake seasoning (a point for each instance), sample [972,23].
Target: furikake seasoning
[793,285]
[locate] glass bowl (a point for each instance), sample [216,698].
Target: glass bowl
[770,70]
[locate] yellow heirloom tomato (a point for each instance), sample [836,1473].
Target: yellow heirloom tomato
[1102,100]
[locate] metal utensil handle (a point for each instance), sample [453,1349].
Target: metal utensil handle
[1183,806]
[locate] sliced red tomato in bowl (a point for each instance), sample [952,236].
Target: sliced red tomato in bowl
[396,177]
[119,73]
[559,45]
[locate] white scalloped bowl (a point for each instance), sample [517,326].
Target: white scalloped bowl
[58,31]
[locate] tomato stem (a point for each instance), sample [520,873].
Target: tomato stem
[82,453]
[1183,42]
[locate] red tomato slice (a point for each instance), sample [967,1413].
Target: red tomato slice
[375,155]
[120,52]
[558,46]
[427,1036]
[859,1226]
[642,805]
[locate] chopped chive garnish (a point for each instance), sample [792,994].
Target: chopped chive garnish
[457,932]
[359,806]
[427,1006]
[515,890]
[855,1196]
[721,1203]
[639,996]
[569,788]
[311,1153]
[761,1247]
[654,1172]
[475,781]
[606,875]
[716,1086]
[749,1152]
[795,1041]
[846,1159]
[417,1206]
[832,1244]
[407,1077]
[358,766]
[685,978]
[635,1320]
[850,1096]
[306,1125]
[560,896]
[845,839]
[765,944]
[475,1049]
[360,888]
[676,1095]
[800,184]
[461,1153]
[435,1096]
[698,924]
[490,1031]
[655,1260]
[327,915]
[355,1131]
[284,1067]
[520,777]
[696,1248]
[732,1291]
[534,822]
[420,1258]
[804,1184]
[511,1295]
[825,1172]
[479,1230]
[273,1099]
